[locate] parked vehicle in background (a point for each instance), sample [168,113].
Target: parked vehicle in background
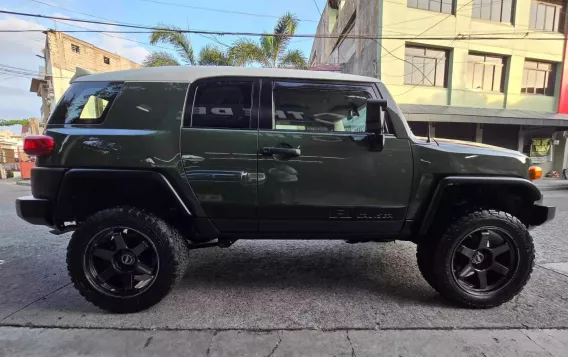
[144,165]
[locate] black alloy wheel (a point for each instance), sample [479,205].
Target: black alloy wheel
[121,262]
[484,260]
[125,259]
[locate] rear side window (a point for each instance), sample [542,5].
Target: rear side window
[223,104]
[85,103]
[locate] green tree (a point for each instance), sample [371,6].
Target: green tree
[209,55]
[270,51]
[5,122]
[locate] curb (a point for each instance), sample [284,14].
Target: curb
[24,183]
[553,188]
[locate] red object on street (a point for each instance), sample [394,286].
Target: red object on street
[563,67]
[26,169]
[38,145]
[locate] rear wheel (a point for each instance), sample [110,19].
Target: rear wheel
[483,259]
[125,260]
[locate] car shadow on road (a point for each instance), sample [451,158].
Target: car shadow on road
[383,270]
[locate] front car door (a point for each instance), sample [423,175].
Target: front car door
[219,149]
[320,174]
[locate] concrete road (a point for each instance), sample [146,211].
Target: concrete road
[267,290]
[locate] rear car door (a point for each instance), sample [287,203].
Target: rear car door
[219,150]
[320,174]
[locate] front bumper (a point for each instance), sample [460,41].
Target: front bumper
[35,210]
[541,214]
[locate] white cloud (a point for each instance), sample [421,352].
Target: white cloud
[125,48]
[115,43]
[19,50]
[21,42]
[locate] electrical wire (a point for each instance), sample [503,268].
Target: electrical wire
[218,10]
[229,33]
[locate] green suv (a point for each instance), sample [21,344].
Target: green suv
[145,165]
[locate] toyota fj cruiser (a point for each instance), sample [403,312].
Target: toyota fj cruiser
[144,165]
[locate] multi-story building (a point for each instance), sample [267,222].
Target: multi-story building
[63,54]
[468,69]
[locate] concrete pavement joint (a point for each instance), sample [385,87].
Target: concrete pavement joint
[350,344]
[217,330]
[208,352]
[33,302]
[533,341]
[277,344]
[552,270]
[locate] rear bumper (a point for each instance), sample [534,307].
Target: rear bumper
[541,214]
[33,210]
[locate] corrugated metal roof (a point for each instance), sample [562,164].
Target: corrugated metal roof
[443,113]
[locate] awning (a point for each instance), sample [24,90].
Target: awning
[453,114]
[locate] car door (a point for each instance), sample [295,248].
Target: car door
[219,149]
[320,174]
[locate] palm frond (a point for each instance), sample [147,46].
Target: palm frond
[172,35]
[293,58]
[157,59]
[211,55]
[245,51]
[286,25]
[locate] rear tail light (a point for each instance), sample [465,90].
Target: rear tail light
[38,145]
[535,173]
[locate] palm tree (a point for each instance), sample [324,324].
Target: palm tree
[270,51]
[210,55]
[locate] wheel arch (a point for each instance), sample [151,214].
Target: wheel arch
[86,191]
[510,194]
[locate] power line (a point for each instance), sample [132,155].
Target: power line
[436,24]
[98,17]
[317,7]
[459,37]
[229,33]
[218,10]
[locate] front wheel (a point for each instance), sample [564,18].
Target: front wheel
[483,259]
[125,260]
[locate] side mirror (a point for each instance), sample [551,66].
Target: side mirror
[375,115]
[375,123]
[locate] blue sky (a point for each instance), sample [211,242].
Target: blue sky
[19,50]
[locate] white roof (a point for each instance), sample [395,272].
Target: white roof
[192,73]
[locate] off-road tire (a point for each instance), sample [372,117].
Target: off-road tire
[439,268]
[171,248]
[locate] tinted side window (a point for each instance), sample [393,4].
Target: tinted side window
[318,107]
[223,104]
[85,103]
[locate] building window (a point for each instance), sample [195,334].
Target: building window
[345,49]
[443,6]
[106,60]
[539,78]
[425,66]
[485,72]
[75,48]
[493,10]
[547,16]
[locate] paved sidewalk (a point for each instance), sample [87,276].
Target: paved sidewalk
[22,341]
[551,184]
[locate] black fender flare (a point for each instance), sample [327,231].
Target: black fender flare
[530,189]
[187,204]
